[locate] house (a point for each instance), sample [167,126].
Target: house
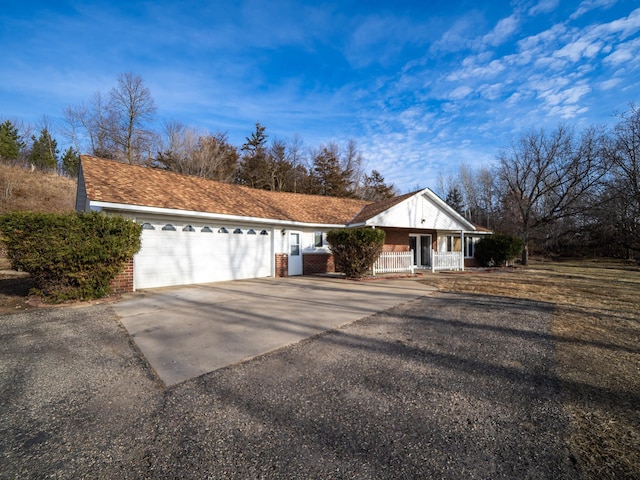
[196,230]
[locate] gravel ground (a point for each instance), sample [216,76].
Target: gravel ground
[447,386]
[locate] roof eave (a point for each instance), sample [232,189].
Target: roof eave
[121,207]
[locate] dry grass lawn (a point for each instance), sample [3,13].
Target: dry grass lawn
[24,190]
[596,330]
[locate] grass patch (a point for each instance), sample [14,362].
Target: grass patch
[24,190]
[596,328]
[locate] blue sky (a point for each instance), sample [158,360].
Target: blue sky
[422,86]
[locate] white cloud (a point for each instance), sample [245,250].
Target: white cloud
[588,5]
[502,31]
[574,51]
[460,93]
[610,84]
[458,37]
[544,6]
[624,53]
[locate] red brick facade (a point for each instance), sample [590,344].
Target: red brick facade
[282,265]
[123,283]
[397,239]
[313,263]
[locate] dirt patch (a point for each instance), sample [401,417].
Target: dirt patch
[596,332]
[14,291]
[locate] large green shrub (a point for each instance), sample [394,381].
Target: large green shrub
[498,249]
[355,250]
[69,256]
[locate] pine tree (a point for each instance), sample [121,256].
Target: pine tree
[70,163]
[11,144]
[328,177]
[454,200]
[44,151]
[375,188]
[254,168]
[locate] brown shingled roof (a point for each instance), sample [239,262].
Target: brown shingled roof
[115,182]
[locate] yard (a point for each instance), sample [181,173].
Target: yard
[238,421]
[596,332]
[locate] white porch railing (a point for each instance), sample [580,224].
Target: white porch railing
[394,262]
[447,261]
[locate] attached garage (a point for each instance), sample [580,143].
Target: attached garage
[176,253]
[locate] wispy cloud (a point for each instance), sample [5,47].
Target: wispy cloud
[502,31]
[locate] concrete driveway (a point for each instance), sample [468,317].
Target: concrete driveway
[187,331]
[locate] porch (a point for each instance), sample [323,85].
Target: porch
[400,262]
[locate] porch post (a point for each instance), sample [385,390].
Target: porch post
[462,250]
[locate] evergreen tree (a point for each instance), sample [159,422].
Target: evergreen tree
[375,189]
[254,168]
[44,151]
[454,200]
[70,163]
[11,144]
[328,177]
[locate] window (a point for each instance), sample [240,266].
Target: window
[148,226]
[264,232]
[251,231]
[238,231]
[469,247]
[169,228]
[317,239]
[453,243]
[188,228]
[206,230]
[223,230]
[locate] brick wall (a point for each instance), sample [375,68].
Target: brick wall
[282,265]
[313,263]
[396,240]
[123,283]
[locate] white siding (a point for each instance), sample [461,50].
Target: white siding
[418,212]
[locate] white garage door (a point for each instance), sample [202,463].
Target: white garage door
[180,254]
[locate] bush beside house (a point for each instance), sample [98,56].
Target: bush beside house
[69,256]
[355,250]
[498,249]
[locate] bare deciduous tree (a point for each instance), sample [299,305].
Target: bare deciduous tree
[202,154]
[546,177]
[133,107]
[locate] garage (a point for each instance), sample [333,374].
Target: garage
[180,253]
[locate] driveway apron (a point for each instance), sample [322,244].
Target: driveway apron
[187,331]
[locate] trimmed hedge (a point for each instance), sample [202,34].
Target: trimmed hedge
[355,250]
[72,256]
[498,249]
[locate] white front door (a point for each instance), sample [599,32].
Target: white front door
[295,253]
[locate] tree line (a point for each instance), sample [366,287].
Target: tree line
[120,125]
[562,191]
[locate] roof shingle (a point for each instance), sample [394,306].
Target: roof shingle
[120,183]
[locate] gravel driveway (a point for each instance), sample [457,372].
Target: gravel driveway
[447,386]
